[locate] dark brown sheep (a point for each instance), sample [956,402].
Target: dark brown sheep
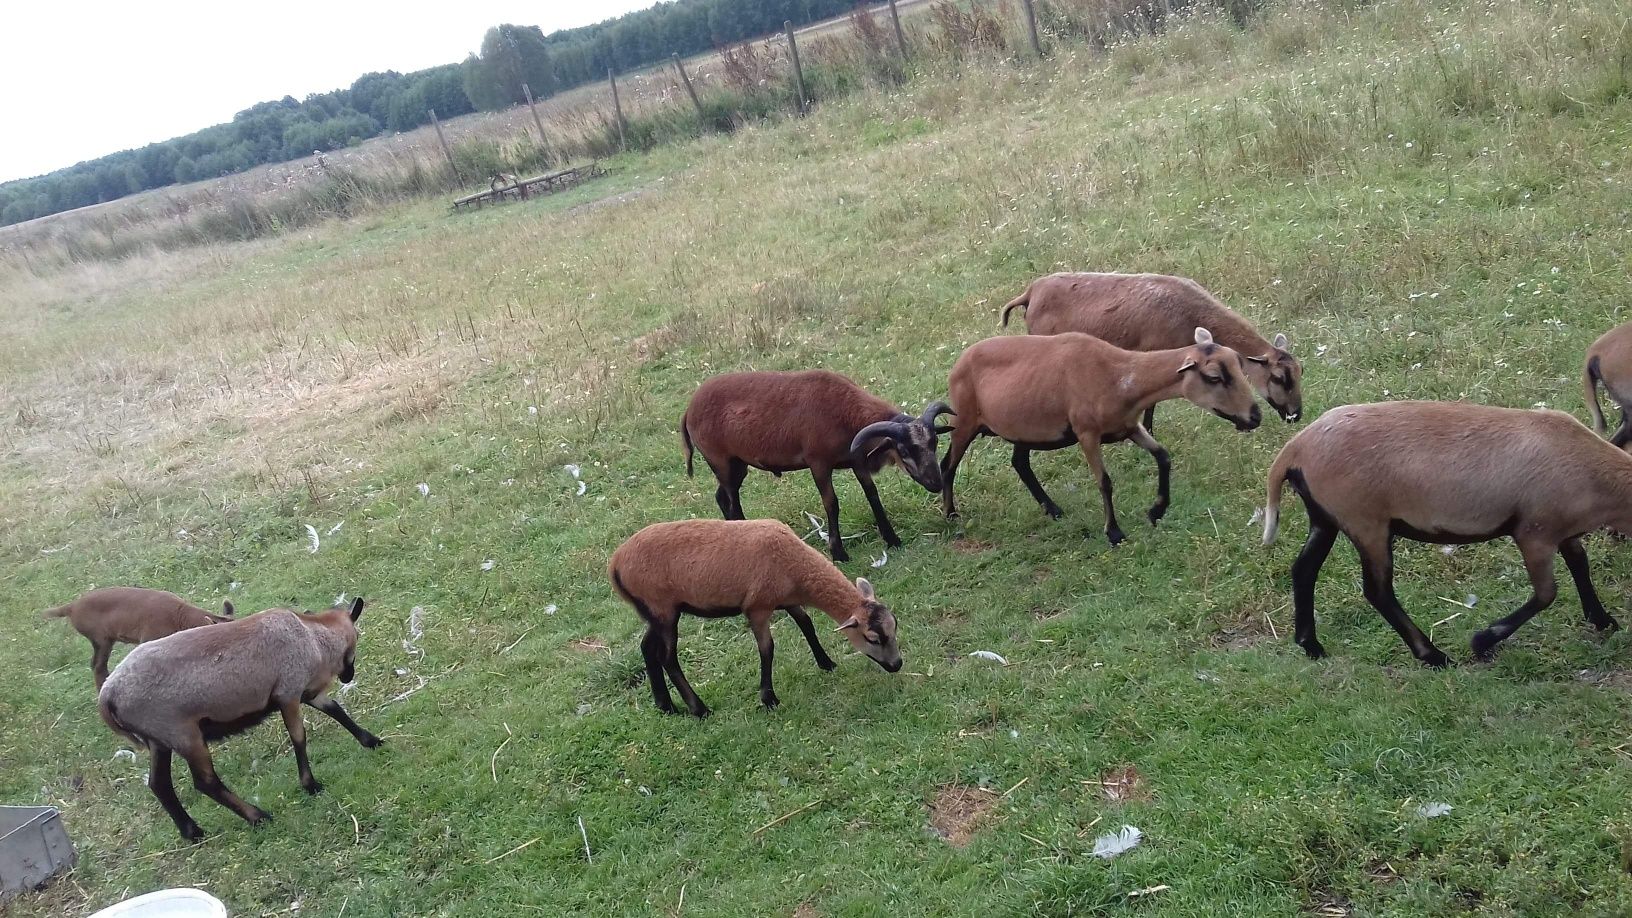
[131,615]
[810,419]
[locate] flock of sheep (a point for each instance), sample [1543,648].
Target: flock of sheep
[1103,351]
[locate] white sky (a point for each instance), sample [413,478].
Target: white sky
[83,78]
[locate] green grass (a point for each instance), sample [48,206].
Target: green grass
[1430,200]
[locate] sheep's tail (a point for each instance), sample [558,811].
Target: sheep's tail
[58,612]
[110,716]
[685,440]
[641,609]
[1272,501]
[1021,301]
[1591,375]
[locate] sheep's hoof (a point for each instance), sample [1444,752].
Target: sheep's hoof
[314,788]
[258,817]
[1313,649]
[827,665]
[892,540]
[1437,659]
[840,555]
[1053,511]
[701,711]
[192,833]
[769,700]
[667,709]
[1116,536]
[1156,513]
[370,741]
[1607,626]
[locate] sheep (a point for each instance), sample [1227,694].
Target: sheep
[812,419]
[130,615]
[1151,312]
[1449,473]
[178,693]
[1044,393]
[721,568]
[1609,361]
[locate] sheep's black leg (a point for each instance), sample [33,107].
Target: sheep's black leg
[1575,558]
[1022,467]
[885,530]
[656,654]
[99,661]
[1150,419]
[209,783]
[1305,571]
[1538,561]
[803,621]
[1164,468]
[949,466]
[671,664]
[338,714]
[297,737]
[760,624]
[1377,579]
[830,504]
[739,473]
[159,781]
[1096,462]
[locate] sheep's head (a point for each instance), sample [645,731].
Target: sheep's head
[1278,377]
[1213,377]
[912,443]
[872,629]
[344,622]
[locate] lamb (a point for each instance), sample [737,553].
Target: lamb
[1609,361]
[178,693]
[1150,312]
[1449,473]
[721,568]
[813,419]
[130,615]
[1043,393]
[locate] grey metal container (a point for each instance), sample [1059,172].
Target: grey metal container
[34,847]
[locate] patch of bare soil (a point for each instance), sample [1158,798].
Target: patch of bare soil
[1614,678]
[609,201]
[587,645]
[806,910]
[958,811]
[1242,634]
[968,546]
[1124,784]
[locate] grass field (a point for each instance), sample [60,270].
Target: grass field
[1430,199]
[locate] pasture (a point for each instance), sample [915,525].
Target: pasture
[1431,200]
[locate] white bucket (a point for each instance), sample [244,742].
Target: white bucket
[167,903]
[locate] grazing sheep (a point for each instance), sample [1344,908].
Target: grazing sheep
[721,568]
[1449,473]
[813,419]
[1043,393]
[1153,312]
[130,615]
[1609,361]
[178,693]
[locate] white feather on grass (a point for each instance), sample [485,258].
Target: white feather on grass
[424,489]
[988,655]
[1433,810]
[1111,844]
[311,535]
[336,527]
[880,562]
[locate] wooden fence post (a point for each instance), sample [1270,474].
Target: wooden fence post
[1031,27]
[798,72]
[689,90]
[617,106]
[900,36]
[542,140]
[445,151]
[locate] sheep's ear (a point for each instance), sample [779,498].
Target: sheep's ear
[1280,341]
[941,429]
[865,589]
[1203,336]
[226,608]
[1188,365]
[356,608]
[880,448]
[1255,359]
[849,623]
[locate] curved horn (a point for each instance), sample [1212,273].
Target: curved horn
[891,429]
[935,410]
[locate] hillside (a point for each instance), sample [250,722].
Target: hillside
[1431,201]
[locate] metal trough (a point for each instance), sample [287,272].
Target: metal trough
[34,847]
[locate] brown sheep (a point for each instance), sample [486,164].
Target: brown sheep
[178,693]
[130,615]
[1043,393]
[1153,312]
[721,568]
[1449,473]
[811,419]
[1609,361]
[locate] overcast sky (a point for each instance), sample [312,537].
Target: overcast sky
[83,78]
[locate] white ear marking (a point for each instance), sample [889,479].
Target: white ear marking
[1280,341]
[864,588]
[1188,365]
[1203,336]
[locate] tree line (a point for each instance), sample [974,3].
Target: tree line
[384,103]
